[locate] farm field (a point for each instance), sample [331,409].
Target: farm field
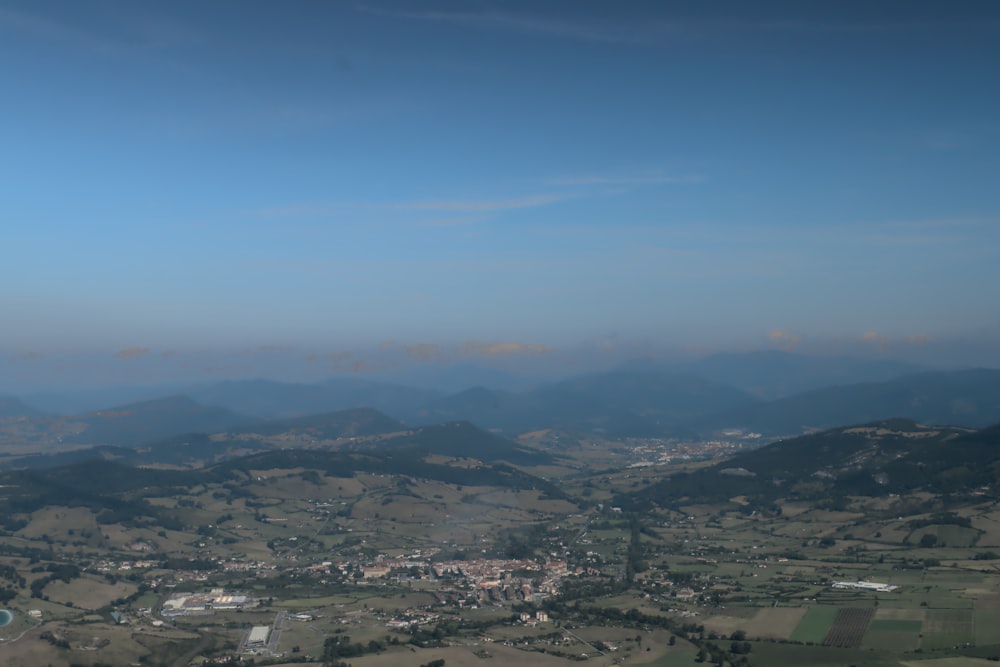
[948,628]
[849,627]
[815,625]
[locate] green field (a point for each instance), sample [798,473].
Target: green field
[891,640]
[894,625]
[946,628]
[947,535]
[987,627]
[785,655]
[672,659]
[815,625]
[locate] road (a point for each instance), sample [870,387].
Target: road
[272,643]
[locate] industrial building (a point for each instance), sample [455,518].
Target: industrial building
[865,586]
[258,636]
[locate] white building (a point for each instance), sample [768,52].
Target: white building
[865,586]
[258,636]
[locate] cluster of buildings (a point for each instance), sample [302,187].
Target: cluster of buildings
[865,586]
[411,618]
[185,604]
[660,451]
[105,565]
[501,580]
[534,619]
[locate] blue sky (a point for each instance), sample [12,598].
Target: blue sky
[354,185]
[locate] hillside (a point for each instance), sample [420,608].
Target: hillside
[888,457]
[119,489]
[361,430]
[965,398]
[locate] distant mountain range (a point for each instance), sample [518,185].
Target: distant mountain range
[964,398]
[153,420]
[615,404]
[773,374]
[275,400]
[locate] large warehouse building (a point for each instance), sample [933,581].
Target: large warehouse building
[258,636]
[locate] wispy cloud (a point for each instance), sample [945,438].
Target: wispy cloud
[119,33]
[302,210]
[454,221]
[920,339]
[936,223]
[628,180]
[786,340]
[592,30]
[423,351]
[653,25]
[482,206]
[267,348]
[337,358]
[132,352]
[473,347]
[875,338]
[41,27]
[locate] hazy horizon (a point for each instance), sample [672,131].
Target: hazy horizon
[444,368]
[201,191]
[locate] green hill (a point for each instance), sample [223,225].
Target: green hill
[881,458]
